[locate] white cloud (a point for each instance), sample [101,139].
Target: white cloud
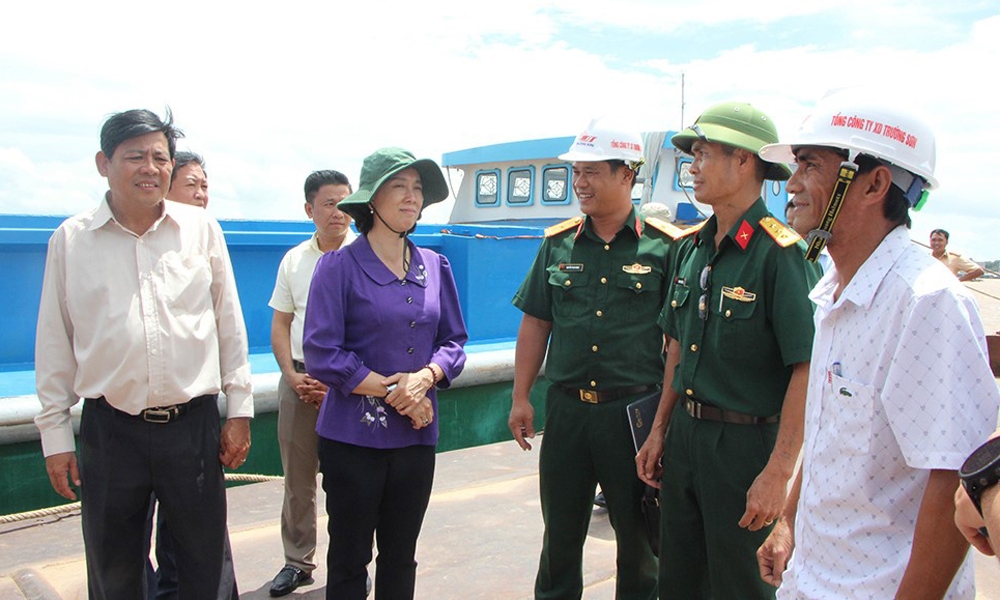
[270,95]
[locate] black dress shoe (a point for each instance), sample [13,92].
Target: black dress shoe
[287,579]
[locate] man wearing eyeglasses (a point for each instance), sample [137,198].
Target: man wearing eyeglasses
[740,329]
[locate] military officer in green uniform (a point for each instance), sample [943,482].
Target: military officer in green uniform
[595,288]
[739,326]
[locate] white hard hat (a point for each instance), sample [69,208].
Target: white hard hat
[857,121]
[603,140]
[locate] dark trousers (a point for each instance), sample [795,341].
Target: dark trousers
[161,583]
[708,467]
[372,492]
[123,460]
[586,444]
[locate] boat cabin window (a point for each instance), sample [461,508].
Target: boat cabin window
[520,186]
[555,185]
[488,188]
[683,181]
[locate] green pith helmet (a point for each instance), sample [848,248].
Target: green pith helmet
[735,124]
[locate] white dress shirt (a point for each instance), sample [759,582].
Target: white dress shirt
[291,286]
[899,384]
[142,320]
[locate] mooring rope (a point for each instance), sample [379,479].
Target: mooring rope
[75,506]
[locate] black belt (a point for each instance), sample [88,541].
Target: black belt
[598,396]
[299,366]
[707,412]
[159,414]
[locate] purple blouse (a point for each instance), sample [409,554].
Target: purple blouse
[361,318]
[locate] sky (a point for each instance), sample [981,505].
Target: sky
[270,92]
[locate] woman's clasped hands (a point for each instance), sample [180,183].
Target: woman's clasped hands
[407,393]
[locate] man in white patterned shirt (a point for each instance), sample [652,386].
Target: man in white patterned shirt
[900,389]
[139,316]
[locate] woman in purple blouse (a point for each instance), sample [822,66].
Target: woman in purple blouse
[383,329]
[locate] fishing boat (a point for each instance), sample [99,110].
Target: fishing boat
[504,196]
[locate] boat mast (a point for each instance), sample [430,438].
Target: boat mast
[682,102]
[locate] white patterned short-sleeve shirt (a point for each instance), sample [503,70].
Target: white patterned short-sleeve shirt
[899,384]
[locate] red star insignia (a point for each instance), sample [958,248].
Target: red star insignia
[743,235]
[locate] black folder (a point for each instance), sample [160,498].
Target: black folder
[640,417]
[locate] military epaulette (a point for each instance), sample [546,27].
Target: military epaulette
[668,228]
[561,227]
[692,229]
[781,233]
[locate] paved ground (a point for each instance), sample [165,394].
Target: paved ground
[480,540]
[987,293]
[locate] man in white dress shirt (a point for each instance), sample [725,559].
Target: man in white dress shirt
[900,389]
[139,316]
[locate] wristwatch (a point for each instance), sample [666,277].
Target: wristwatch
[981,471]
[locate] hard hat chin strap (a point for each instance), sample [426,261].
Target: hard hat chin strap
[818,237]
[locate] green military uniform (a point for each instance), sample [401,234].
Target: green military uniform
[742,317]
[602,300]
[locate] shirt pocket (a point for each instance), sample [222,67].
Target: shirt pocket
[679,294]
[640,294]
[849,410]
[186,283]
[638,284]
[741,324]
[571,293]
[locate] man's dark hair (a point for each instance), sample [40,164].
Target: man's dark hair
[184,158]
[946,235]
[318,179]
[896,208]
[616,164]
[134,123]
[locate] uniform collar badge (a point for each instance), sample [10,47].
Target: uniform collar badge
[743,235]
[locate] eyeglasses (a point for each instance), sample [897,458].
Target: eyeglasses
[703,282]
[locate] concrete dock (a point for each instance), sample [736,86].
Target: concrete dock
[480,539]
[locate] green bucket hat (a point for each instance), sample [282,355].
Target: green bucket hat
[383,164]
[734,124]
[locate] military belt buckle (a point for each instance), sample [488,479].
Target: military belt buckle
[589,396]
[160,414]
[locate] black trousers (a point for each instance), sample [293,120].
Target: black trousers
[372,492]
[161,583]
[124,459]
